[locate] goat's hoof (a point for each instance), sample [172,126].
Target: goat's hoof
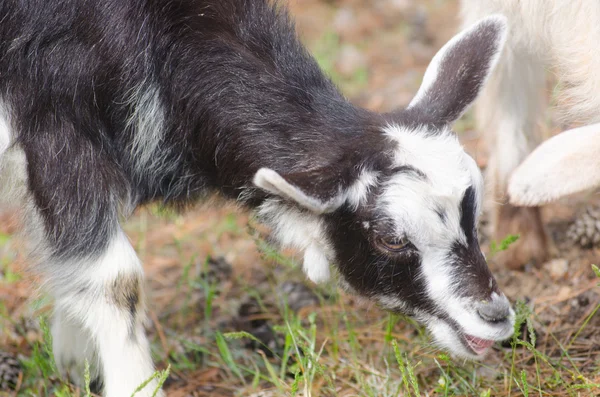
[73,370]
[532,245]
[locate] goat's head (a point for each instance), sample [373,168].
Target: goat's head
[402,229]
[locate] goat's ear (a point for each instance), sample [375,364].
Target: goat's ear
[565,164]
[459,70]
[317,191]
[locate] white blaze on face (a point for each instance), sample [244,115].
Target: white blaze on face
[427,207]
[423,201]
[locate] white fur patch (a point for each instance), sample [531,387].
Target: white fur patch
[4,132]
[462,310]
[316,264]
[148,125]
[446,338]
[412,202]
[13,167]
[85,297]
[302,231]
[565,164]
[272,182]
[358,191]
[13,178]
[72,346]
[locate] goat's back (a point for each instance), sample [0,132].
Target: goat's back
[158,93]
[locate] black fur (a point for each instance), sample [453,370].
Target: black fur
[468,215]
[370,271]
[240,93]
[470,265]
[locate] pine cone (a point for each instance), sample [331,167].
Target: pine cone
[585,231]
[10,368]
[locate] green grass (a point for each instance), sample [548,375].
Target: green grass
[504,244]
[42,378]
[314,346]
[334,349]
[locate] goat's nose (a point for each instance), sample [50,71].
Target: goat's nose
[496,310]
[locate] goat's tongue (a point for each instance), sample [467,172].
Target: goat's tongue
[477,344]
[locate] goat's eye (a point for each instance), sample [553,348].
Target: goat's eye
[393,244]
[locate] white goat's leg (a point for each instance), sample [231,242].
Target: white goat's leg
[102,299]
[10,173]
[4,133]
[4,143]
[507,112]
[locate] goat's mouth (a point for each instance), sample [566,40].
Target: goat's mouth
[475,346]
[479,346]
[470,341]
[465,334]
[476,341]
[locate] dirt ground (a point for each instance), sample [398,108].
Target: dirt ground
[377,51]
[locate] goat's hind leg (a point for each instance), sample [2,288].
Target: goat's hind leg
[90,268]
[507,112]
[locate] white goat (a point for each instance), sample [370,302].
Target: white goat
[562,36]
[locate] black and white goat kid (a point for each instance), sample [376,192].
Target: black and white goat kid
[110,104]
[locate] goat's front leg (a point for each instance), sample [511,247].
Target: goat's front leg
[73,346]
[507,112]
[99,316]
[90,268]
